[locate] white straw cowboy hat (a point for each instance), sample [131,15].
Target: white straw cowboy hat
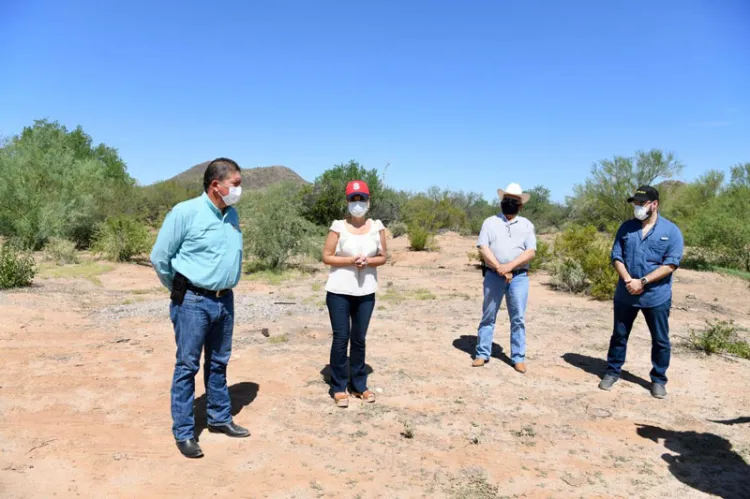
[514,189]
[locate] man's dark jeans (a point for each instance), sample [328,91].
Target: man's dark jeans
[201,323]
[350,318]
[657,319]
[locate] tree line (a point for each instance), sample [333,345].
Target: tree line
[60,192]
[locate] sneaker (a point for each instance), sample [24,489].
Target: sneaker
[658,391]
[478,362]
[607,381]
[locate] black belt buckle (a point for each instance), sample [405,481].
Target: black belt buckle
[220,292]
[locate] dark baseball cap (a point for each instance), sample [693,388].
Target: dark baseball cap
[644,193]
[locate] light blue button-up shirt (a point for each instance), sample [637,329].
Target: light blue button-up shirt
[200,242]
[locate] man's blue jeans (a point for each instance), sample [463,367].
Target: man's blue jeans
[201,323]
[350,318]
[517,294]
[657,319]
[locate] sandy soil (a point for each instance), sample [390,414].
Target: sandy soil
[87,367]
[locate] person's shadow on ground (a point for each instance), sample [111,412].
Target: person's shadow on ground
[242,394]
[468,344]
[732,422]
[704,461]
[597,367]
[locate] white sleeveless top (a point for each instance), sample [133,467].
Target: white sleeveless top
[351,280]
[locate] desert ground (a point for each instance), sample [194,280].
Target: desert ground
[88,351]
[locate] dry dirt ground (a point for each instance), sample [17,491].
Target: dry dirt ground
[87,366]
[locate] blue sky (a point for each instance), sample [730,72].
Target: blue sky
[468,95]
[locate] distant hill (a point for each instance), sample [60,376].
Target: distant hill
[252,178]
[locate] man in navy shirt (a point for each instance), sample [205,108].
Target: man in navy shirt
[646,251]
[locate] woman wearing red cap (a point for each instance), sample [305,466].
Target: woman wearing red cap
[354,248]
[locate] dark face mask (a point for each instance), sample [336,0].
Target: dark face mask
[510,206]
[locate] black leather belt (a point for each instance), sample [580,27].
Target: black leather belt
[207,292]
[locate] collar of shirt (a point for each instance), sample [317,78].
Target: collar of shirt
[213,207]
[653,229]
[509,222]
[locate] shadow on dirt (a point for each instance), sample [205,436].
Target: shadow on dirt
[703,461]
[468,344]
[597,367]
[242,395]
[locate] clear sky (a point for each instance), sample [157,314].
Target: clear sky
[463,94]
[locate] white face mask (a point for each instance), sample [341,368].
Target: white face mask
[358,209]
[233,196]
[641,212]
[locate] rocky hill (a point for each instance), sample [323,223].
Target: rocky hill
[252,178]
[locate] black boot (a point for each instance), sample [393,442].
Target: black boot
[230,429]
[190,448]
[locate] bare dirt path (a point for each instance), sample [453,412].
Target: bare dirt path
[87,367]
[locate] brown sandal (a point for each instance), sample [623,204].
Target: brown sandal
[367,396]
[341,399]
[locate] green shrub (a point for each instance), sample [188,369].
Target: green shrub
[276,230]
[719,337]
[60,251]
[420,239]
[541,259]
[398,229]
[121,238]
[55,183]
[583,262]
[568,276]
[17,266]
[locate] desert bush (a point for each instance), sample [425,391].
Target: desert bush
[60,251]
[568,276]
[121,238]
[720,232]
[324,200]
[276,230]
[55,183]
[719,337]
[420,239]
[542,257]
[17,266]
[398,229]
[601,199]
[583,262]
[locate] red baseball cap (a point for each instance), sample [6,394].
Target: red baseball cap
[357,187]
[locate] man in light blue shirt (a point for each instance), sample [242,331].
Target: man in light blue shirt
[507,244]
[198,257]
[646,251]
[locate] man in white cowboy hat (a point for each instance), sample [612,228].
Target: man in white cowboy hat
[507,244]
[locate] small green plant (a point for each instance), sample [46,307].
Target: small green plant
[17,266]
[60,251]
[719,337]
[419,238]
[423,294]
[278,339]
[474,256]
[398,229]
[408,431]
[122,238]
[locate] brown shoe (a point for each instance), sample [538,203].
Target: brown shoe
[520,367]
[341,399]
[478,362]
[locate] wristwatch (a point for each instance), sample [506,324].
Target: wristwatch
[644,281]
